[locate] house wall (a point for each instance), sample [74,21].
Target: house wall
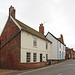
[10,45]
[55,51]
[73,54]
[70,54]
[61,51]
[54,46]
[27,46]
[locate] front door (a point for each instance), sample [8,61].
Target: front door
[40,57]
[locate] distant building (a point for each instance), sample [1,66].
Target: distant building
[70,53]
[21,46]
[58,47]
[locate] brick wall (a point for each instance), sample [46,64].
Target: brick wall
[41,29]
[54,62]
[9,31]
[10,45]
[31,65]
[69,54]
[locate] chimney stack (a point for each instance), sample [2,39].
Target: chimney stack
[41,28]
[12,12]
[62,40]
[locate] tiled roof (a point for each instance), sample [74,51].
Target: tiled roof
[31,30]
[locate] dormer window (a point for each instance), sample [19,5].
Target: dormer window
[34,42]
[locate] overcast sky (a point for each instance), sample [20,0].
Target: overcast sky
[58,15]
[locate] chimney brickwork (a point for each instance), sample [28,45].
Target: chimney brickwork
[12,12]
[62,40]
[41,28]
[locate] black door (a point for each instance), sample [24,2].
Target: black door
[40,57]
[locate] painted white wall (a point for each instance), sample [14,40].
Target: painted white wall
[27,46]
[55,51]
[61,54]
[54,46]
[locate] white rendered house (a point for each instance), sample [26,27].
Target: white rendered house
[58,47]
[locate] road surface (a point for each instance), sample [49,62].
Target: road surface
[64,68]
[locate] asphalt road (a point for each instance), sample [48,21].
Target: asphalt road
[64,68]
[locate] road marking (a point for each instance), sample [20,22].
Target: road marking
[60,74]
[41,68]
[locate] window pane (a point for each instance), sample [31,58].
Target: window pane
[28,57]
[34,42]
[34,57]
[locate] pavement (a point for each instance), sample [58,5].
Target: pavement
[63,68]
[5,71]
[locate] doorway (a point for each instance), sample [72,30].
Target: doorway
[40,57]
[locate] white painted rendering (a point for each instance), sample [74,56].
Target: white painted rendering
[56,52]
[62,50]
[27,46]
[54,46]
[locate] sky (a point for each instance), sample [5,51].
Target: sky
[57,16]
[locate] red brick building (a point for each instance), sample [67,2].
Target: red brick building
[70,53]
[10,44]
